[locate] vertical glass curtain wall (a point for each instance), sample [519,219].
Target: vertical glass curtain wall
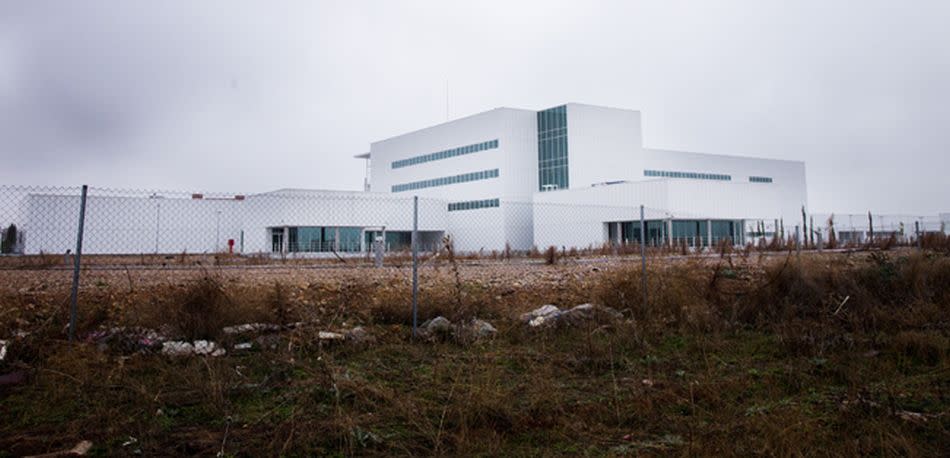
[317,239]
[689,232]
[552,149]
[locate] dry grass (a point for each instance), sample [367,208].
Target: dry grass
[735,355]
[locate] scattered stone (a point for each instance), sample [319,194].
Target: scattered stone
[915,417]
[327,335]
[647,382]
[204,347]
[549,315]
[243,346]
[357,335]
[199,347]
[586,312]
[439,325]
[251,327]
[482,328]
[176,348]
[126,339]
[3,349]
[545,311]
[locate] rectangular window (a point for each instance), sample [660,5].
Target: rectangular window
[443,181]
[446,154]
[473,204]
[690,175]
[760,179]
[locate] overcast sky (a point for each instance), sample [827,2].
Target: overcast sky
[250,96]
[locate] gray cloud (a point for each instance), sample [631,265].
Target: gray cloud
[248,96]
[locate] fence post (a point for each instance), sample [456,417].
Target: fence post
[643,256]
[798,244]
[76,263]
[415,262]
[920,245]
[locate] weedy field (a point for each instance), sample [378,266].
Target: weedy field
[832,354]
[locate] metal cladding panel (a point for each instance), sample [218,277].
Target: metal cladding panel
[604,144]
[514,131]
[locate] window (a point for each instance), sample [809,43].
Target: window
[439,155]
[443,181]
[760,179]
[552,149]
[473,204]
[691,175]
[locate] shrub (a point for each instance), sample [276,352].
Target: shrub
[199,311]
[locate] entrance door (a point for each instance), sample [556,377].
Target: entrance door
[277,240]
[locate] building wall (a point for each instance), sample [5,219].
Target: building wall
[129,225]
[576,217]
[515,131]
[515,158]
[604,144]
[788,177]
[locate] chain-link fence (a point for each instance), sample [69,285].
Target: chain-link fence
[146,227]
[80,227]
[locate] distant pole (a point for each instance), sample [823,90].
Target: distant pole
[158,222]
[917,232]
[74,298]
[798,245]
[643,256]
[217,229]
[415,263]
[446,99]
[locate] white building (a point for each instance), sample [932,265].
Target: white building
[287,221]
[575,176]
[569,176]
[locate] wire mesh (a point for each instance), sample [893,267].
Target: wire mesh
[123,227]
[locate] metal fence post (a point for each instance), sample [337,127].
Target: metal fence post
[643,256]
[920,245]
[798,244]
[76,262]
[415,262]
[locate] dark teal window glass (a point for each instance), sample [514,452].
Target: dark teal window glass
[449,153]
[473,204]
[552,149]
[443,181]
[692,175]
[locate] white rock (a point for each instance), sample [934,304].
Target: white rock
[177,348]
[243,346]
[327,335]
[204,347]
[544,319]
[200,347]
[438,324]
[543,311]
[250,327]
[482,328]
[582,308]
[3,349]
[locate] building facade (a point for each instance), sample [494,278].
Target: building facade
[574,175]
